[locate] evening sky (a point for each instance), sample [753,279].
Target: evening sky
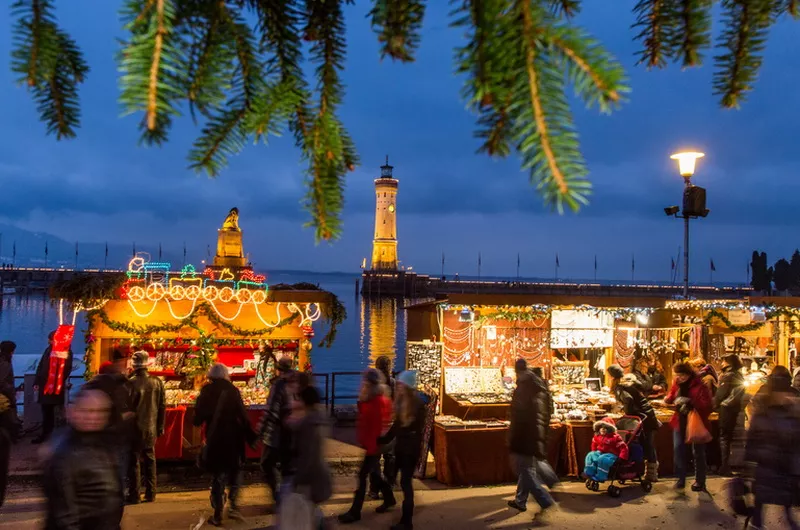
[103,187]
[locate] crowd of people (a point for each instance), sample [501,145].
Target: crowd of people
[104,457]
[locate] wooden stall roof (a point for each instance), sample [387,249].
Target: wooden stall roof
[549,299]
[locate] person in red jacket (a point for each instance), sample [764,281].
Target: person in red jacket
[607,447]
[688,393]
[374,418]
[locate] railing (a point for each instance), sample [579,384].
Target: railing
[323,395]
[21,387]
[334,396]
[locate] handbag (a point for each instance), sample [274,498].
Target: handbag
[296,512]
[696,432]
[202,456]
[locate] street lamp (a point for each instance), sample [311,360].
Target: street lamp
[694,205]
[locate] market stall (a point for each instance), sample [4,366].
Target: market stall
[186,321]
[472,360]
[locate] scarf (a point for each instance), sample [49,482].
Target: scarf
[55,373]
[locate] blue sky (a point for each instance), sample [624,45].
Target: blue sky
[103,187]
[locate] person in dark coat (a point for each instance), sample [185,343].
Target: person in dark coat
[312,477]
[112,380]
[729,402]
[148,403]
[629,394]
[772,446]
[80,479]
[407,431]
[51,396]
[689,393]
[277,440]
[656,373]
[220,408]
[384,365]
[530,422]
[9,423]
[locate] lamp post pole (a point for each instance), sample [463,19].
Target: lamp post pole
[686,165]
[686,248]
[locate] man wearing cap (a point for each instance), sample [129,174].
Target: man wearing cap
[530,421]
[149,404]
[274,436]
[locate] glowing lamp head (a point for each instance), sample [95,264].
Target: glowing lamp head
[686,162]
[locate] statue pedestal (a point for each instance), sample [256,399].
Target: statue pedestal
[229,250]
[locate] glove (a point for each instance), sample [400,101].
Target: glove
[681,401]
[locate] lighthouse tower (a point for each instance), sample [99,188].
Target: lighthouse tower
[384,246]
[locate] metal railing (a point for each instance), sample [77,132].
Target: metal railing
[21,387]
[334,396]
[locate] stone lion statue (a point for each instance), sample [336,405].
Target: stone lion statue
[232,221]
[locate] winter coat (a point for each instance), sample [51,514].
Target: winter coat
[311,473]
[42,371]
[279,407]
[629,394]
[117,387]
[645,382]
[81,484]
[9,422]
[710,378]
[699,400]
[149,404]
[611,442]
[227,435]
[408,438]
[729,401]
[371,422]
[772,446]
[531,407]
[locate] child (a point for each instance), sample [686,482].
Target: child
[607,447]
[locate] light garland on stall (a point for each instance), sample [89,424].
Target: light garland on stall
[536,311]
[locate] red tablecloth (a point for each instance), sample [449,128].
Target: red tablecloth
[255,418]
[170,445]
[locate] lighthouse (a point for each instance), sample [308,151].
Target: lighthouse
[384,245]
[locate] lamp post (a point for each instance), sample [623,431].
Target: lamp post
[694,205]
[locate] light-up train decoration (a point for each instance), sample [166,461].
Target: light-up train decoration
[155,282]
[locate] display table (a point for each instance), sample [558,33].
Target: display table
[475,457]
[182,440]
[468,411]
[479,457]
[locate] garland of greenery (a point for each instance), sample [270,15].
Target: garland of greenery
[771,313]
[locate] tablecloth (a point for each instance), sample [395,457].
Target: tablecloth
[169,446]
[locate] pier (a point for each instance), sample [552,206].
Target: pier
[39,279]
[404,284]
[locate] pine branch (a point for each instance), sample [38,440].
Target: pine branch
[692,31]
[153,66]
[746,25]
[787,7]
[210,59]
[598,78]
[656,21]
[223,136]
[50,63]
[325,139]
[565,8]
[489,79]
[398,24]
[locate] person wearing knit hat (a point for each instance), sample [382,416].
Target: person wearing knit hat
[407,434]
[615,371]
[149,404]
[408,378]
[140,360]
[607,447]
[374,415]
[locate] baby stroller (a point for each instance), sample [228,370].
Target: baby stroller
[632,469]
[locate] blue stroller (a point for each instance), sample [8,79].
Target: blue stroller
[632,469]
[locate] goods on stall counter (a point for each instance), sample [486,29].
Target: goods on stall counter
[483,398]
[454,422]
[180,397]
[581,404]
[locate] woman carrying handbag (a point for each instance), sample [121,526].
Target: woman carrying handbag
[690,423]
